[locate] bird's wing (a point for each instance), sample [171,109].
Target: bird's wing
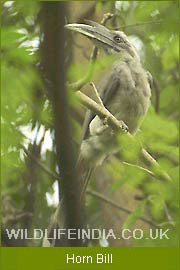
[150,79]
[106,88]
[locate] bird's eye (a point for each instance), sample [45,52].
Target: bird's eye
[117,38]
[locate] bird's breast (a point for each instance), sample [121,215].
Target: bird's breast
[132,99]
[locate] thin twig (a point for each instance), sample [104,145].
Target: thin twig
[140,24]
[106,17]
[139,167]
[97,94]
[43,167]
[155,164]
[168,215]
[116,205]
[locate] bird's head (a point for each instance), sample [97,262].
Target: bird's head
[108,40]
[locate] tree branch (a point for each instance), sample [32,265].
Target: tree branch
[53,60]
[102,112]
[116,205]
[117,125]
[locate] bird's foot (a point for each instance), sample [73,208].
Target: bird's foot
[124,127]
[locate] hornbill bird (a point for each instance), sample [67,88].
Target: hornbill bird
[125,91]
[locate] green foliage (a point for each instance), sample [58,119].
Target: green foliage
[137,213]
[26,106]
[160,131]
[19,110]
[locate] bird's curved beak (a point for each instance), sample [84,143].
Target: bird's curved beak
[84,29]
[96,32]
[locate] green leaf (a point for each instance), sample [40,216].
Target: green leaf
[136,214]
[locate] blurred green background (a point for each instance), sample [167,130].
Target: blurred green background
[30,192]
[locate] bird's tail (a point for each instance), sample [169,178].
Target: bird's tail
[84,171]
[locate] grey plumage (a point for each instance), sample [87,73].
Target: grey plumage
[124,90]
